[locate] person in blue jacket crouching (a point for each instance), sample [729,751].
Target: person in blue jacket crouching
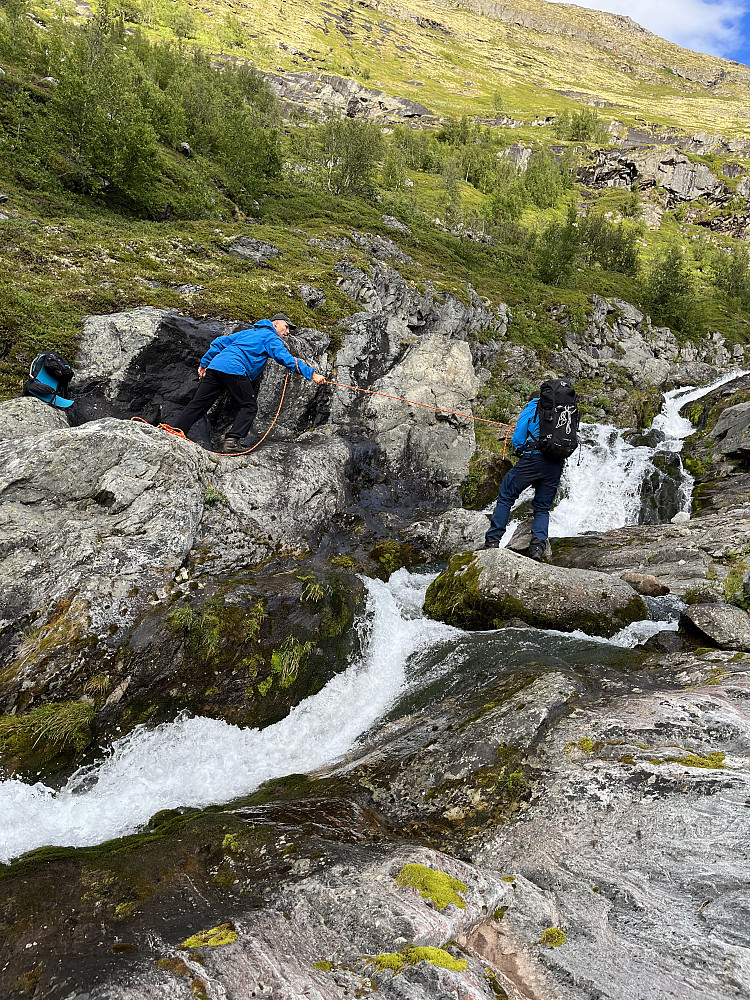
[231,364]
[532,469]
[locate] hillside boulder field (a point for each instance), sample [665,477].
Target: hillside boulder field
[276,722]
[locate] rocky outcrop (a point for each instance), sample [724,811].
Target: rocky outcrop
[255,251]
[450,533]
[29,417]
[322,92]
[495,586]
[721,625]
[108,527]
[732,431]
[499,820]
[674,172]
[620,337]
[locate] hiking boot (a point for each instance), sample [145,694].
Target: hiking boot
[232,446]
[536,550]
[493,543]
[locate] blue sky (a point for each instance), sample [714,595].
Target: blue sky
[721,27]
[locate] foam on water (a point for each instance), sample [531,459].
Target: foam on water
[199,761]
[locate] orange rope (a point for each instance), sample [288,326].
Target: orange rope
[232,454]
[427,406]
[354,388]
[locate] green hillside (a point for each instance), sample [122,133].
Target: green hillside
[136,142]
[466,56]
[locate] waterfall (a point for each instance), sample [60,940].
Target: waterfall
[199,762]
[606,490]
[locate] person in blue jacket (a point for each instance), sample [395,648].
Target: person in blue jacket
[532,469]
[231,364]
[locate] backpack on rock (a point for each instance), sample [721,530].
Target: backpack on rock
[49,377]
[557,410]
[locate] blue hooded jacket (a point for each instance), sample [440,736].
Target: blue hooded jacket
[526,426]
[247,351]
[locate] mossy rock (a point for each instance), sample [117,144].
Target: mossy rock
[439,887]
[488,589]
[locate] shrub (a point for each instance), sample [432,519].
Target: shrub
[669,292]
[348,151]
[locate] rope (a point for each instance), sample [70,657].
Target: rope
[354,388]
[427,406]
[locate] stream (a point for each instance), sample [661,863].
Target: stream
[196,761]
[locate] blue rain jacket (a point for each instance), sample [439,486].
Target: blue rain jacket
[247,351]
[526,425]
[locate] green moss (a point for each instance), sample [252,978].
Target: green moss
[454,595]
[396,961]
[232,843]
[345,562]
[435,956]
[389,960]
[323,966]
[712,761]
[553,937]
[391,555]
[214,937]
[509,878]
[436,886]
[265,686]
[586,744]
[499,913]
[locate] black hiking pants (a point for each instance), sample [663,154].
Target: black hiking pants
[242,390]
[532,469]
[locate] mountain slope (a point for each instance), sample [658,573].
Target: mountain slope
[531,57]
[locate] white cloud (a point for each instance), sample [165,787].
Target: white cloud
[712,26]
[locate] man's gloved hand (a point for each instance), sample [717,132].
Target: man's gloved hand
[201,372]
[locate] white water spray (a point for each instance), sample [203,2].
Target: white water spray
[199,761]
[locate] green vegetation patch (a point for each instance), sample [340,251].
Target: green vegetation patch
[215,936]
[396,961]
[47,730]
[553,937]
[437,886]
[711,761]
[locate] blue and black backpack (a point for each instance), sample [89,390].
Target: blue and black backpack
[49,377]
[557,410]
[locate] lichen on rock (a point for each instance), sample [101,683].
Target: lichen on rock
[440,888]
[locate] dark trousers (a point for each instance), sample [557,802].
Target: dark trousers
[210,387]
[530,470]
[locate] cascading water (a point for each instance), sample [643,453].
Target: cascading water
[198,761]
[605,490]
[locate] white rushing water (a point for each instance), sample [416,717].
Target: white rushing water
[601,486]
[199,761]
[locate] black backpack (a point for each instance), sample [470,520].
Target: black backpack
[56,367]
[558,420]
